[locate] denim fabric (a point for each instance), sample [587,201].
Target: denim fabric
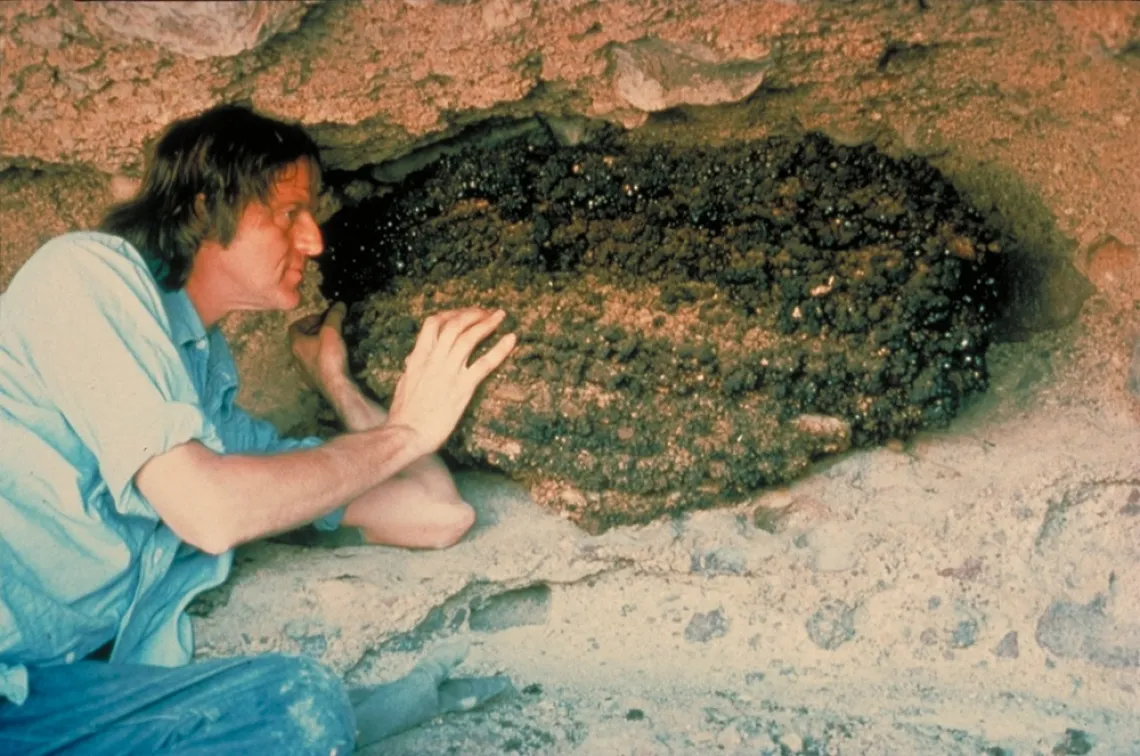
[100,370]
[270,704]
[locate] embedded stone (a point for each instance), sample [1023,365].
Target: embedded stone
[832,625]
[1007,647]
[1114,268]
[706,626]
[197,30]
[652,74]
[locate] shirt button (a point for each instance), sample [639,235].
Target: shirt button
[200,344]
[157,557]
[70,658]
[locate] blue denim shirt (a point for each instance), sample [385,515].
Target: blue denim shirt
[100,370]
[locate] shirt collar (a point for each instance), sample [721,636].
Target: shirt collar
[185,324]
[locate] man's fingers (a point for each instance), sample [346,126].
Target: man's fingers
[494,357]
[454,334]
[335,317]
[458,324]
[307,325]
[478,331]
[425,341]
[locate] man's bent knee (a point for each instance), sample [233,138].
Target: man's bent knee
[314,711]
[451,528]
[439,526]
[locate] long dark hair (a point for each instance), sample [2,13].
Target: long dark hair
[202,174]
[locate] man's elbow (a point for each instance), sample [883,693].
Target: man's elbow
[209,528]
[209,521]
[182,487]
[210,542]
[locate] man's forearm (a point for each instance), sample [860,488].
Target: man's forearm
[316,481]
[218,501]
[359,413]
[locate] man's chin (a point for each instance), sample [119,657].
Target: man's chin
[291,296]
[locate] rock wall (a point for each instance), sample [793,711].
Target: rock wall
[1033,107]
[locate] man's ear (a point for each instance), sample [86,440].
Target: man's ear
[200,207]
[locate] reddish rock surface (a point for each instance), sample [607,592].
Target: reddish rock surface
[1030,106]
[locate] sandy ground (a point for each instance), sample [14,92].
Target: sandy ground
[976,589]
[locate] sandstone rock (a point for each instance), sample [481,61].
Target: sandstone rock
[1099,27]
[728,739]
[835,547]
[1132,507]
[37,205]
[197,30]
[652,75]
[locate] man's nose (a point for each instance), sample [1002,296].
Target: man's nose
[307,236]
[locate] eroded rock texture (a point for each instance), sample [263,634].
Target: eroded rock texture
[197,30]
[694,324]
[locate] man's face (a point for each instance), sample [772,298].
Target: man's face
[267,256]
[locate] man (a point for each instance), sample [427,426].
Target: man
[128,475]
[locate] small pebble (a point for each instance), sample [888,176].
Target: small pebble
[832,625]
[729,738]
[704,627]
[1007,648]
[792,742]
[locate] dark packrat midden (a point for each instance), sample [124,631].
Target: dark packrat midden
[695,323]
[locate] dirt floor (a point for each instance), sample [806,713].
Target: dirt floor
[977,589]
[974,591]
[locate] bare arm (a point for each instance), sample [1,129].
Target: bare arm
[320,353]
[216,502]
[355,410]
[322,357]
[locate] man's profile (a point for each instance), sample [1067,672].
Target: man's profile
[128,474]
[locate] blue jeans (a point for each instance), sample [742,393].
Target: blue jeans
[269,704]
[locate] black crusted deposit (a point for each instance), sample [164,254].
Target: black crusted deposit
[694,323]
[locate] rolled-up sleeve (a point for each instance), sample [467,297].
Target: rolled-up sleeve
[244,434]
[101,347]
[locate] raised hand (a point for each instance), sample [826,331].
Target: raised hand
[438,382]
[318,348]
